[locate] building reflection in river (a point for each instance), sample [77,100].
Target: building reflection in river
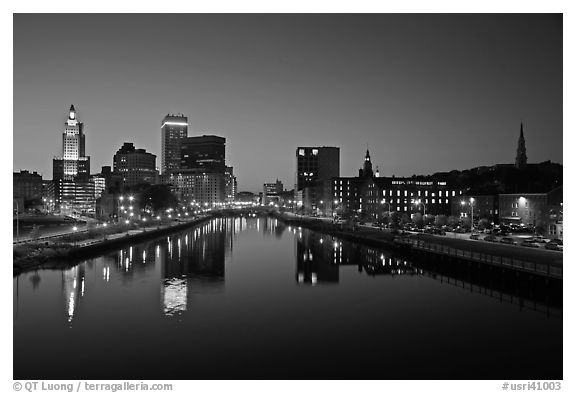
[189,262]
[194,262]
[319,257]
[73,286]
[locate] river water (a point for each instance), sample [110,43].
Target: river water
[252,298]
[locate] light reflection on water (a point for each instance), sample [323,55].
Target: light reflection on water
[240,286]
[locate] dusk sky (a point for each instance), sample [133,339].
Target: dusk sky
[425,93]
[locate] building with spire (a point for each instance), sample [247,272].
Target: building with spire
[366,171]
[521,159]
[74,192]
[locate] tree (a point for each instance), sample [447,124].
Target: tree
[483,223]
[453,221]
[158,197]
[418,220]
[466,222]
[395,220]
[428,219]
[440,220]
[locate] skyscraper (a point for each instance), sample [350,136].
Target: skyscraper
[71,172]
[174,129]
[316,163]
[205,154]
[521,158]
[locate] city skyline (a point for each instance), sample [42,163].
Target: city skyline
[444,101]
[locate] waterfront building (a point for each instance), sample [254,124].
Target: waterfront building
[316,163]
[543,210]
[271,192]
[135,166]
[204,153]
[246,196]
[338,195]
[173,130]
[99,184]
[74,192]
[27,186]
[192,187]
[481,206]
[406,196]
[231,185]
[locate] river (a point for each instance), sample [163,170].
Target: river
[252,298]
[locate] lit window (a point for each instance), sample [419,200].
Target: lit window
[426,193]
[315,152]
[300,152]
[433,200]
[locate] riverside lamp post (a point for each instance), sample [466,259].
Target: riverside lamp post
[419,202]
[334,207]
[17,221]
[471,212]
[382,203]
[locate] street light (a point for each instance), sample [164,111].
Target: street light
[17,221]
[75,229]
[382,202]
[419,202]
[463,203]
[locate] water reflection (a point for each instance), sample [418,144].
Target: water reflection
[319,256]
[189,262]
[191,292]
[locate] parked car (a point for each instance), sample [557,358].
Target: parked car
[491,238]
[557,241]
[540,239]
[529,244]
[474,236]
[507,240]
[553,246]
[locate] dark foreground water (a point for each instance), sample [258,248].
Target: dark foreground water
[253,298]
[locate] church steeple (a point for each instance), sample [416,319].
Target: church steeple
[367,171]
[521,158]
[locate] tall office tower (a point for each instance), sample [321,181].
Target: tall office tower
[316,163]
[203,154]
[174,129]
[134,166]
[230,185]
[71,172]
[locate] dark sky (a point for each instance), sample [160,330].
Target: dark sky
[426,93]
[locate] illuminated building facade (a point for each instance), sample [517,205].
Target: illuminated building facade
[74,192]
[206,189]
[405,196]
[174,129]
[231,185]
